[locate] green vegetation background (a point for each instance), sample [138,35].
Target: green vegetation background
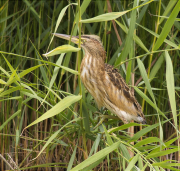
[48,120]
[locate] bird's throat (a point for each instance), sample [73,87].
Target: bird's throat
[92,66]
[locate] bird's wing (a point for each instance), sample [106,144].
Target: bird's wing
[119,92]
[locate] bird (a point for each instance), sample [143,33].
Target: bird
[104,82]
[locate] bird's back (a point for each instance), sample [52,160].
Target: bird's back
[109,89]
[119,97]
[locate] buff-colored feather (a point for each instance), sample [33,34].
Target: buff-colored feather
[106,84]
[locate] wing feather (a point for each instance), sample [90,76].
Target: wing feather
[123,98]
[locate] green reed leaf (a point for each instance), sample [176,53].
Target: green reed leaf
[170,86]
[59,107]
[62,49]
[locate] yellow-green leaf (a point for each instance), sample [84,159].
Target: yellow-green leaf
[23,73]
[105,17]
[162,153]
[111,15]
[62,49]
[2,81]
[96,156]
[62,13]
[167,27]
[132,163]
[170,86]
[147,141]
[59,107]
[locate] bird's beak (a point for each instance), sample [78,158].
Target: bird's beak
[73,39]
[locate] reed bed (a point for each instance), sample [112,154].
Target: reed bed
[48,120]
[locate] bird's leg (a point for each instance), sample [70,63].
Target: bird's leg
[124,120]
[104,117]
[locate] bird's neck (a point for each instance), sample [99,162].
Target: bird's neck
[92,64]
[95,51]
[93,59]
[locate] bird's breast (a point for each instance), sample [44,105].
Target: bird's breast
[89,73]
[92,69]
[92,77]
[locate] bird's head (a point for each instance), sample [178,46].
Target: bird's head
[90,43]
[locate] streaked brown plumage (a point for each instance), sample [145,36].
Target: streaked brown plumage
[104,83]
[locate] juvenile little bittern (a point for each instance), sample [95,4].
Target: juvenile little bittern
[103,82]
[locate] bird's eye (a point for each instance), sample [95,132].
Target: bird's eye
[83,40]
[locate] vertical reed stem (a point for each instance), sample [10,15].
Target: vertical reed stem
[79,80]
